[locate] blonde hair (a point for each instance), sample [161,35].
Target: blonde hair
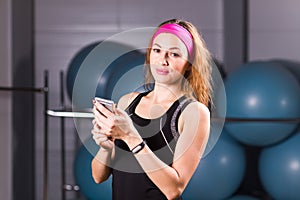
[198,75]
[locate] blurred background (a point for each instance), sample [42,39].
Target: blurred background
[256,46]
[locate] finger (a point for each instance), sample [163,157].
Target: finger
[102,128]
[99,137]
[119,111]
[96,139]
[108,134]
[102,109]
[103,121]
[96,126]
[121,115]
[96,111]
[103,141]
[100,120]
[95,131]
[99,140]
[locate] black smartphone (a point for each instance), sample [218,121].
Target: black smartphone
[109,104]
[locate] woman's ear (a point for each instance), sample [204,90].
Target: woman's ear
[188,67]
[188,70]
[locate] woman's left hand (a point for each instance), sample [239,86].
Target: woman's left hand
[117,125]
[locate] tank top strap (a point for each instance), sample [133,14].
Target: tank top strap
[183,102]
[130,109]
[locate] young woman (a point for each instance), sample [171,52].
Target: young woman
[153,142]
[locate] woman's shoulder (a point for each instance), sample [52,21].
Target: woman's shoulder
[194,115]
[195,108]
[126,99]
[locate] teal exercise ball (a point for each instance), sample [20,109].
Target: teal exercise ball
[291,65]
[279,169]
[216,110]
[83,173]
[74,66]
[99,69]
[220,173]
[262,90]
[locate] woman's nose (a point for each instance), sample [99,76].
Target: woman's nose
[164,58]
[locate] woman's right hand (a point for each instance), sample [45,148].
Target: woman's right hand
[100,138]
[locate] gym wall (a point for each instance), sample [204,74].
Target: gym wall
[274,28]
[65,27]
[62,28]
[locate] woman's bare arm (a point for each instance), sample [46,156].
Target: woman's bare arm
[101,163]
[195,121]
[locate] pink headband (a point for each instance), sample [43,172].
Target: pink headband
[183,34]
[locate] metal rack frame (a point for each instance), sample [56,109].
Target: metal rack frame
[44,91]
[63,112]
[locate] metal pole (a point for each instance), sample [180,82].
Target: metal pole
[62,130]
[21,89]
[46,91]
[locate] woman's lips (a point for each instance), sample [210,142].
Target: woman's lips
[162,71]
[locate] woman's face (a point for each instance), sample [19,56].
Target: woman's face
[168,59]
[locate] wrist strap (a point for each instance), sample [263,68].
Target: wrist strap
[138,147]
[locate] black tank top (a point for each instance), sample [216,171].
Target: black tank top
[130,182]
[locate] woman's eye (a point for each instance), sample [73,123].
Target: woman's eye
[173,54]
[156,50]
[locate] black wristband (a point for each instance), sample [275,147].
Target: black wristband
[138,147]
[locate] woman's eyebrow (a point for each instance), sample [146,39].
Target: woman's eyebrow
[156,45]
[175,48]
[172,48]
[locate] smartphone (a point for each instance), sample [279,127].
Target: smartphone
[109,104]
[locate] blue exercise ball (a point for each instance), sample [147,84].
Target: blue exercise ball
[264,90]
[216,110]
[96,69]
[291,65]
[74,66]
[220,173]
[124,75]
[83,174]
[279,169]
